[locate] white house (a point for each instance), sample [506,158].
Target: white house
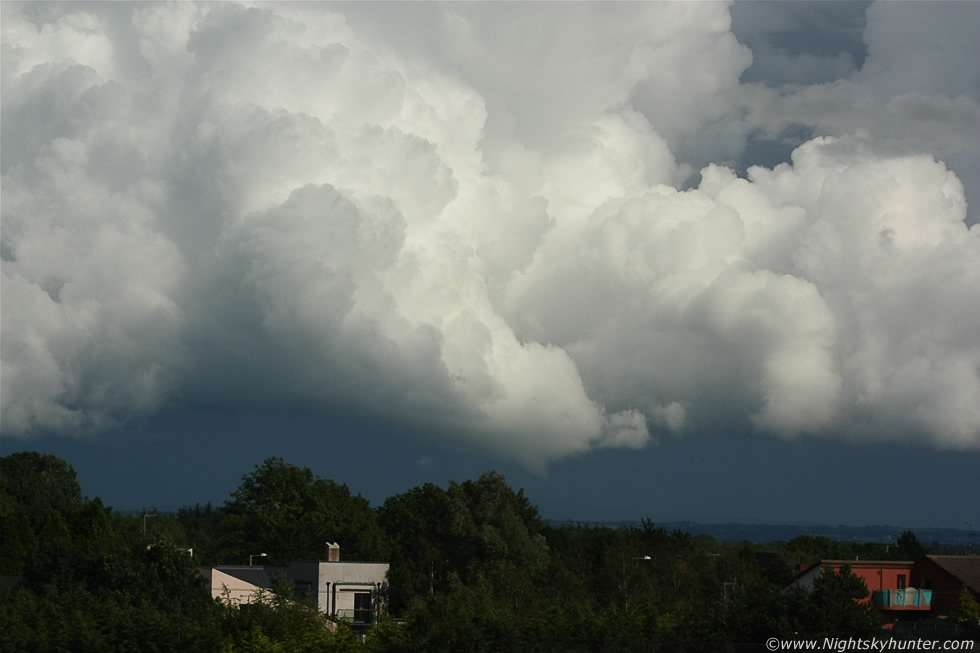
[355,592]
[239,585]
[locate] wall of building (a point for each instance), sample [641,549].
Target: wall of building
[877,575]
[945,587]
[335,583]
[231,589]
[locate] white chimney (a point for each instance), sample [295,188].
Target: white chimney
[333,552]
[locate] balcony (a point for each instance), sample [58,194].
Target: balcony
[356,617]
[907,599]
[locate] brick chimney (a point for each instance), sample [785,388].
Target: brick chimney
[333,552]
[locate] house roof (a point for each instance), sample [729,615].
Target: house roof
[863,563]
[343,562]
[853,564]
[965,569]
[858,564]
[258,576]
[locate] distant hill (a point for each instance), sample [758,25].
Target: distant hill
[765,533]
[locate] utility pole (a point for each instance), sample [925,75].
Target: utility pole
[969,537]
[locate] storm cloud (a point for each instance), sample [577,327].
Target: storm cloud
[533,229]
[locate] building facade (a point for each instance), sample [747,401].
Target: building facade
[240,585]
[946,576]
[904,589]
[890,585]
[354,592]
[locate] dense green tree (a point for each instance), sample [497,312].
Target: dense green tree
[202,526]
[39,494]
[88,587]
[495,529]
[756,610]
[40,483]
[909,547]
[111,597]
[474,531]
[473,568]
[389,636]
[809,549]
[475,557]
[418,524]
[838,605]
[279,622]
[967,608]
[289,513]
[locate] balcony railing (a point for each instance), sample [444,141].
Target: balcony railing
[910,599]
[356,616]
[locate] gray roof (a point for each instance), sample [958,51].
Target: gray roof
[258,576]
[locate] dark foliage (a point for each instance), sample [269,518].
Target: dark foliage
[473,568]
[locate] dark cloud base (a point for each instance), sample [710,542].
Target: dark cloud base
[182,459]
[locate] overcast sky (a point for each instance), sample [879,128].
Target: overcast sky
[682,261]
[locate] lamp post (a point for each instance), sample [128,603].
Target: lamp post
[257,555]
[145,515]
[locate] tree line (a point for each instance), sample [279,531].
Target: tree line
[474,567]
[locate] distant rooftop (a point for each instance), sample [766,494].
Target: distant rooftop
[258,576]
[965,568]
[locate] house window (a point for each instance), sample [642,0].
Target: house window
[304,590]
[901,581]
[363,614]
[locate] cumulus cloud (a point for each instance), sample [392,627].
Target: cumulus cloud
[484,226]
[917,90]
[801,43]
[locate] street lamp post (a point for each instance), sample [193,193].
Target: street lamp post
[145,515]
[257,555]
